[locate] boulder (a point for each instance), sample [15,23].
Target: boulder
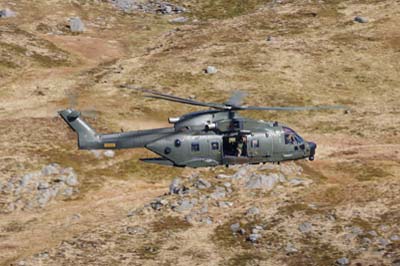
[43,185]
[218,193]
[202,184]
[175,186]
[68,192]
[179,20]
[235,227]
[383,242]
[299,182]
[290,249]
[25,179]
[206,220]
[227,185]
[43,198]
[252,211]
[184,205]
[135,230]
[71,180]
[76,25]
[125,5]
[343,261]
[109,153]
[7,13]
[211,70]
[267,182]
[165,8]
[305,227]
[51,169]
[225,204]
[96,153]
[253,238]
[257,229]
[360,19]
[204,209]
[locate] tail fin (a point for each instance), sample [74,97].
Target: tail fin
[87,137]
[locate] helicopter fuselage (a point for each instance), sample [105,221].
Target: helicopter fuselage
[212,138]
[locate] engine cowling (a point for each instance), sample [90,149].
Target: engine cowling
[210,126]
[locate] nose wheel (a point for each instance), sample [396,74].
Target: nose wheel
[311,158]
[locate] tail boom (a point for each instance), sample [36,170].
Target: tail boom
[88,139]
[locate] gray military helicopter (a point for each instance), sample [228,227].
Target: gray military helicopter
[217,136]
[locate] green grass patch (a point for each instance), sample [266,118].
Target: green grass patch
[223,9]
[314,252]
[299,207]
[245,258]
[362,171]
[170,223]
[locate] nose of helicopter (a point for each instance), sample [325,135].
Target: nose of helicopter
[313,147]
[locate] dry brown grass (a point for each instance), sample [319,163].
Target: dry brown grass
[317,56]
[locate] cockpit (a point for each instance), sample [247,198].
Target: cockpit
[291,137]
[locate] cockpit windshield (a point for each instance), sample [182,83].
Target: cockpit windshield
[291,137]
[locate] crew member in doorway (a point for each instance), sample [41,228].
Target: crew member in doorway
[242,146]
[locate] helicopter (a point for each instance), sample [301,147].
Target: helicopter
[207,138]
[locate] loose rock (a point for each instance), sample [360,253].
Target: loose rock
[264,181]
[109,153]
[253,238]
[305,227]
[179,20]
[225,204]
[135,230]
[235,227]
[184,205]
[76,25]
[360,19]
[37,189]
[342,261]
[253,211]
[206,220]
[202,184]
[51,169]
[175,186]
[290,248]
[218,193]
[7,13]
[211,70]
[299,182]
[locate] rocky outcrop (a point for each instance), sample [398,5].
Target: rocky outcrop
[37,189]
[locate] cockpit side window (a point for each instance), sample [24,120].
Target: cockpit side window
[195,147]
[291,137]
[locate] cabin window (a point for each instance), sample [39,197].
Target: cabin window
[177,143]
[195,147]
[255,143]
[214,146]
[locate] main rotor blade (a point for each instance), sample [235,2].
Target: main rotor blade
[162,96]
[293,108]
[190,102]
[236,98]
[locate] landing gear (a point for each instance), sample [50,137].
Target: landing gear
[311,158]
